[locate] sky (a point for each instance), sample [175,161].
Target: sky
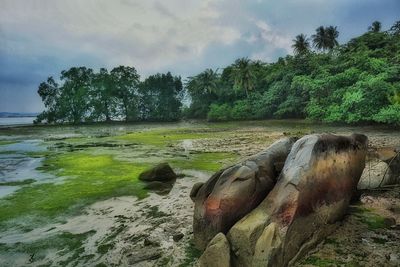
[41,38]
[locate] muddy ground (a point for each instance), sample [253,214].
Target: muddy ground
[152,227]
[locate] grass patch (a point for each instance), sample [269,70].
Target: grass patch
[16,183]
[212,161]
[91,177]
[161,138]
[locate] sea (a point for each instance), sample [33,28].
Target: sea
[16,121]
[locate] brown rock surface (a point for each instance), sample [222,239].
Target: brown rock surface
[312,193]
[233,192]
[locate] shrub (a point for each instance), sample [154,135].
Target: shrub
[389,114]
[219,112]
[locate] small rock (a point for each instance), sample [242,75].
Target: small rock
[178,236]
[161,172]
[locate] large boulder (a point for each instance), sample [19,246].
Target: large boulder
[161,172]
[233,192]
[217,253]
[312,193]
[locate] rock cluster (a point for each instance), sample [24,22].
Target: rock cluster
[311,193]
[233,192]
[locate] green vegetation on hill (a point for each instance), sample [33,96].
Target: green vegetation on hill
[356,82]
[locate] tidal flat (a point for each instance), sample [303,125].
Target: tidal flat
[70,196]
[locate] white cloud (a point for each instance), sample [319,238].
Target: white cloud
[147,34]
[268,40]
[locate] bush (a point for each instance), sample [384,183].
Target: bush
[241,110]
[389,114]
[219,112]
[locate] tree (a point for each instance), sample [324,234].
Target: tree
[160,97]
[331,37]
[103,96]
[319,38]
[49,92]
[203,89]
[207,81]
[126,82]
[301,44]
[376,26]
[74,96]
[325,38]
[243,75]
[395,29]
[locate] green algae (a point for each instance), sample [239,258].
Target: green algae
[89,178]
[162,138]
[206,161]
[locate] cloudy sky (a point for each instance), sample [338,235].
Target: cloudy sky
[42,37]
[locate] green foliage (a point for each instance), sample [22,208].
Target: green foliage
[219,112]
[86,96]
[389,114]
[160,96]
[356,82]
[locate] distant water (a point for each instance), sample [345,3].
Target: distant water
[16,121]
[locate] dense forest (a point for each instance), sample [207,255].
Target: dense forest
[356,82]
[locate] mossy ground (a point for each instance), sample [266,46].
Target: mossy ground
[87,169]
[204,161]
[161,138]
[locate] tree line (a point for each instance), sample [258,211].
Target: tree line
[83,95]
[355,82]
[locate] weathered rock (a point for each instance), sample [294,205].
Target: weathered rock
[233,192]
[312,193]
[382,168]
[161,172]
[217,253]
[376,173]
[195,189]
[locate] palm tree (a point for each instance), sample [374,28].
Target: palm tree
[207,81]
[325,38]
[376,26]
[331,37]
[204,83]
[243,75]
[301,44]
[319,38]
